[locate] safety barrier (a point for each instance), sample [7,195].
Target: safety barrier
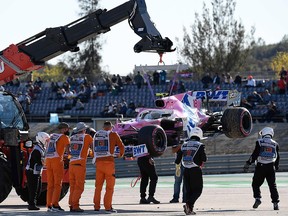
[216,164]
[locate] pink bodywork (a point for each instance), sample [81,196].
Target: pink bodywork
[181,106]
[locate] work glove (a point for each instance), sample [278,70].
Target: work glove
[151,161]
[178,170]
[246,167]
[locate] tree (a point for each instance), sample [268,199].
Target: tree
[86,62]
[279,61]
[218,43]
[57,73]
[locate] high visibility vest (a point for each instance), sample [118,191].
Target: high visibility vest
[51,151]
[101,144]
[76,146]
[37,168]
[189,149]
[268,153]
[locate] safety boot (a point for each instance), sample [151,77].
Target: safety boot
[257,203]
[153,200]
[275,206]
[144,201]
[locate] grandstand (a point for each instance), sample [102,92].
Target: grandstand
[46,101]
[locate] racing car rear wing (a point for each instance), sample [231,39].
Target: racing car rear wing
[232,97]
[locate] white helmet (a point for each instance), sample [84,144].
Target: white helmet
[196,132]
[42,138]
[267,131]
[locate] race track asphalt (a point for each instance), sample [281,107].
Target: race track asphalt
[227,195]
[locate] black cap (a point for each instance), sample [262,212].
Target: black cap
[63,125]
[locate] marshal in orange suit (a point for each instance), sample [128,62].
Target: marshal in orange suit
[59,142]
[104,143]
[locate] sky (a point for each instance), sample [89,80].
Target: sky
[22,19]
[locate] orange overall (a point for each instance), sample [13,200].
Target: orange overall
[105,171]
[77,167]
[55,170]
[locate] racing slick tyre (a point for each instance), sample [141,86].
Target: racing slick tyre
[155,139]
[42,198]
[5,178]
[236,122]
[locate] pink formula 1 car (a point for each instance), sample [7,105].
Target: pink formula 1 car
[174,116]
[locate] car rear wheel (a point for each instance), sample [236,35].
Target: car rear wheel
[5,178]
[236,122]
[155,139]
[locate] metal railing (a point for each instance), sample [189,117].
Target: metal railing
[216,164]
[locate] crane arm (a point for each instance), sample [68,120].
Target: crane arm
[32,53]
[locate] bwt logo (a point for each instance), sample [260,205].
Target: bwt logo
[139,149]
[213,95]
[1,66]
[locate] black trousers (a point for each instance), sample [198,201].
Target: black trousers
[193,182]
[34,186]
[262,172]
[147,171]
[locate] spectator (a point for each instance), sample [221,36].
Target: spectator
[216,79]
[123,107]
[104,112]
[94,91]
[68,94]
[163,75]
[266,97]
[25,101]
[255,99]
[229,78]
[283,73]
[156,77]
[38,82]
[238,80]
[108,84]
[224,79]
[281,85]
[139,80]
[251,82]
[128,80]
[206,80]
[131,109]
[272,111]
[119,83]
[114,79]
[246,104]
[54,86]
[79,105]
[111,111]
[181,87]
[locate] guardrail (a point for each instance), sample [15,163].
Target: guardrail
[216,164]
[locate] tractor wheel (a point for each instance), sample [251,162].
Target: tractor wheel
[155,139]
[5,177]
[236,122]
[42,198]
